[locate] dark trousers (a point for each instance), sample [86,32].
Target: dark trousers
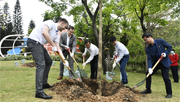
[123,64]
[174,70]
[94,67]
[71,65]
[165,75]
[43,63]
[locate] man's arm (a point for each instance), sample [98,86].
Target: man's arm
[61,41]
[91,57]
[74,44]
[46,35]
[149,58]
[59,50]
[167,45]
[85,52]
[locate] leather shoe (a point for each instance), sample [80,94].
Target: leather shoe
[43,96]
[59,78]
[146,91]
[45,86]
[124,82]
[168,96]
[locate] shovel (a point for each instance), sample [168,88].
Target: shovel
[83,74]
[112,73]
[75,76]
[83,62]
[140,83]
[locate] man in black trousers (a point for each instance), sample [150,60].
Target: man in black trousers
[93,59]
[154,50]
[42,34]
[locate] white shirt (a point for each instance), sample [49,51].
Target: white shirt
[93,50]
[68,38]
[121,50]
[37,35]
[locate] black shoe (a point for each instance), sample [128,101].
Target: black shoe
[45,86]
[168,96]
[146,91]
[124,83]
[43,96]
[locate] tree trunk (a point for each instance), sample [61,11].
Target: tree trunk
[100,50]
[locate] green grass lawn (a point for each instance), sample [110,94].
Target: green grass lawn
[17,84]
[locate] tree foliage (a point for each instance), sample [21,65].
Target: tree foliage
[17,19]
[126,19]
[31,26]
[6,26]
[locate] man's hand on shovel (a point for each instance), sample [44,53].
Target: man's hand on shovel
[66,63]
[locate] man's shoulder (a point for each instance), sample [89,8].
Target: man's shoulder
[49,21]
[157,40]
[74,35]
[64,33]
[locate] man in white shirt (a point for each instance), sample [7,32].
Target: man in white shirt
[42,34]
[93,59]
[67,42]
[122,55]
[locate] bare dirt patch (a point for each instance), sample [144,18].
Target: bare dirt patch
[86,91]
[31,64]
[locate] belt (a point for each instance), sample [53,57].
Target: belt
[34,41]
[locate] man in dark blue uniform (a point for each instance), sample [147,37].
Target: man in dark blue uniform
[154,50]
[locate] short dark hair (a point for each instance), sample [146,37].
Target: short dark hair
[112,39]
[87,41]
[147,35]
[63,20]
[70,27]
[173,50]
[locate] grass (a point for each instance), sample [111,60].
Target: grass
[17,84]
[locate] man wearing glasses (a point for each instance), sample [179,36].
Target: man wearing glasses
[67,42]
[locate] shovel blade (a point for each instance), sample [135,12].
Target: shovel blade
[111,74]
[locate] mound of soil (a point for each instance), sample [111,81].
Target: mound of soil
[31,64]
[86,91]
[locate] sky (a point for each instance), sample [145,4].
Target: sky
[31,10]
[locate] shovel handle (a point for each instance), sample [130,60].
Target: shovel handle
[73,58]
[62,59]
[83,62]
[156,64]
[114,62]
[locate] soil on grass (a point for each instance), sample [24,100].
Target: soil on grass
[86,91]
[31,64]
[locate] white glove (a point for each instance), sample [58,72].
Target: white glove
[84,64]
[66,63]
[66,47]
[114,64]
[150,71]
[164,54]
[54,49]
[72,54]
[83,56]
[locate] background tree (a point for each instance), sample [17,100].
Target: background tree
[17,19]
[6,28]
[150,12]
[126,19]
[31,26]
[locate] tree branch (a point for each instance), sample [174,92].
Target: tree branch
[84,2]
[137,13]
[97,9]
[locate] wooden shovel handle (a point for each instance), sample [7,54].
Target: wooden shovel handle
[83,62]
[62,59]
[73,58]
[156,64]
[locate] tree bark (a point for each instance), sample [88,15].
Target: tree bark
[100,50]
